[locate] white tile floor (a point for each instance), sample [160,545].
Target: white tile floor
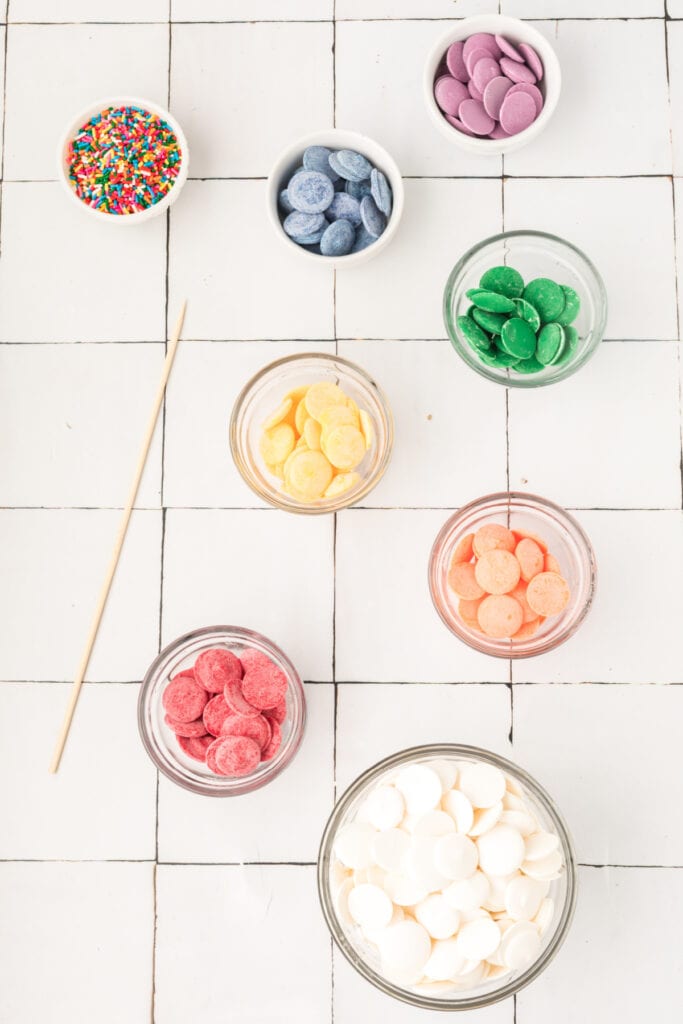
[125,899]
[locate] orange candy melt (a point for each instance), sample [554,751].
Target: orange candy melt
[507,582]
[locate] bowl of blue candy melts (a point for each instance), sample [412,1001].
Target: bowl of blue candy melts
[335,197]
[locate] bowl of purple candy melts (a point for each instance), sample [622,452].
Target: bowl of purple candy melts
[492,83]
[335,197]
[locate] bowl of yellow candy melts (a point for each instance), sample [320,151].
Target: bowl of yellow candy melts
[311,433]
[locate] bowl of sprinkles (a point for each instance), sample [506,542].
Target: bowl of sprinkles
[123,160]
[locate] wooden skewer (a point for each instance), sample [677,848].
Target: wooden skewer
[120,537]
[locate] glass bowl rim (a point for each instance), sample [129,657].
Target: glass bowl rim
[327,902]
[245,784]
[284,502]
[509,498]
[525,381]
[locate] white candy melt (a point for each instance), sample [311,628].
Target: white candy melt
[546,868]
[384,807]
[445,961]
[419,864]
[405,947]
[447,772]
[353,844]
[369,906]
[434,823]
[545,914]
[540,844]
[468,894]
[479,938]
[402,890]
[460,809]
[485,819]
[421,788]
[523,897]
[482,784]
[501,850]
[455,856]
[436,915]
[389,848]
[520,945]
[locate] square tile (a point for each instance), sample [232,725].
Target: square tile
[674,8]
[217,372]
[355,999]
[379,67]
[233,830]
[583,8]
[621,915]
[52,564]
[209,60]
[81,63]
[242,282]
[624,639]
[629,421]
[628,819]
[427,420]
[399,294]
[249,916]
[605,123]
[92,447]
[67,931]
[383,604]
[674,32]
[678,198]
[638,271]
[3,31]
[251,10]
[395,9]
[411,715]
[67,265]
[247,568]
[84,10]
[101,805]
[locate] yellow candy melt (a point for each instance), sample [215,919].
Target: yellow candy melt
[367,428]
[309,474]
[321,395]
[276,444]
[344,447]
[342,482]
[337,416]
[279,414]
[300,416]
[312,432]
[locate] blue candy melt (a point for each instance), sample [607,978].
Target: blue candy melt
[300,225]
[373,219]
[284,203]
[350,165]
[338,239]
[344,207]
[363,239]
[317,158]
[358,189]
[310,191]
[381,192]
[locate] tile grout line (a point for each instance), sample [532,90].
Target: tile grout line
[676,267]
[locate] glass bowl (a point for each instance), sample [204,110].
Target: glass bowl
[363,956]
[533,254]
[159,740]
[265,392]
[565,539]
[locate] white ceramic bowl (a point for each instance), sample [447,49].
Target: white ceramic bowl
[517,32]
[95,108]
[335,138]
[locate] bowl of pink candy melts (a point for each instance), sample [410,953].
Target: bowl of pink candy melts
[491,84]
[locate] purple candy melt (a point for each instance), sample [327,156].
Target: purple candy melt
[530,90]
[474,117]
[532,59]
[474,92]
[517,72]
[458,124]
[455,61]
[481,40]
[517,112]
[474,56]
[484,71]
[509,50]
[494,94]
[449,94]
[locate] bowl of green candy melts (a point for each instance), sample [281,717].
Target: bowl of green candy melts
[525,308]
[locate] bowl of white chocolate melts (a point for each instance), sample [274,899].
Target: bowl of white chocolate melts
[447,877]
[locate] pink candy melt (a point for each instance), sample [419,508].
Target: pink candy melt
[227,732]
[474,117]
[494,94]
[517,113]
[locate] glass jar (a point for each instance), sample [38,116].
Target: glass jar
[265,392]
[565,539]
[360,953]
[533,254]
[160,741]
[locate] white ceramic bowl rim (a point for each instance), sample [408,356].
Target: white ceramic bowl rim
[123,101]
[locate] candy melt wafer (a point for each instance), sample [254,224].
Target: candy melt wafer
[316,441]
[437,900]
[506,582]
[227,710]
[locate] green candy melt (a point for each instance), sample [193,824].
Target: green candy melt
[572,305]
[492,302]
[504,280]
[492,322]
[550,344]
[518,339]
[494,357]
[531,365]
[527,312]
[546,296]
[473,334]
